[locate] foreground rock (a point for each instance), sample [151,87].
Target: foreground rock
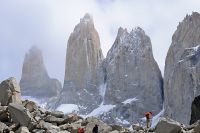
[35,80]
[19,114]
[182,68]
[10,92]
[27,117]
[168,126]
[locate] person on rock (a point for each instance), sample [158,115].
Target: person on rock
[148,119]
[95,129]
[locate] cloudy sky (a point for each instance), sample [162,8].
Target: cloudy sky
[48,24]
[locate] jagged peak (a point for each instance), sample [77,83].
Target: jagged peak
[192,17]
[137,30]
[34,53]
[34,49]
[121,32]
[87,18]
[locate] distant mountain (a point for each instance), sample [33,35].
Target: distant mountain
[35,80]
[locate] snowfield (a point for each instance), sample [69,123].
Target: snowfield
[128,101]
[68,108]
[41,102]
[100,110]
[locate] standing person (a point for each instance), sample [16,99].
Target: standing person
[148,119]
[95,129]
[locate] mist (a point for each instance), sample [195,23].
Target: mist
[48,24]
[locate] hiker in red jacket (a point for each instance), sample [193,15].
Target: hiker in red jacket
[80,130]
[148,118]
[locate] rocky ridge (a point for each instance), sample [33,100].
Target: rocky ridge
[27,117]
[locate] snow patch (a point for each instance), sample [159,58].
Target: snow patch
[68,108]
[41,102]
[196,48]
[125,122]
[100,110]
[156,118]
[130,100]
[102,91]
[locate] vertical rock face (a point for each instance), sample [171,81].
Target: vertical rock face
[195,110]
[132,77]
[181,82]
[35,80]
[82,60]
[10,92]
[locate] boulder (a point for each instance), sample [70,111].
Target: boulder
[166,125]
[137,127]
[10,92]
[39,131]
[14,126]
[3,127]
[31,106]
[115,131]
[58,114]
[23,130]
[65,127]
[63,132]
[48,126]
[19,114]
[71,118]
[92,121]
[117,127]
[53,119]
[4,115]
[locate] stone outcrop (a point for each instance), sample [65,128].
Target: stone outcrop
[168,126]
[35,80]
[82,60]
[132,78]
[181,77]
[19,114]
[9,92]
[39,120]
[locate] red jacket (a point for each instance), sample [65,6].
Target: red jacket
[148,115]
[80,130]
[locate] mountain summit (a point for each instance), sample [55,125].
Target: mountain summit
[35,80]
[132,77]
[82,60]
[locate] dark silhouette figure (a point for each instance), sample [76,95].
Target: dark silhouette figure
[95,129]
